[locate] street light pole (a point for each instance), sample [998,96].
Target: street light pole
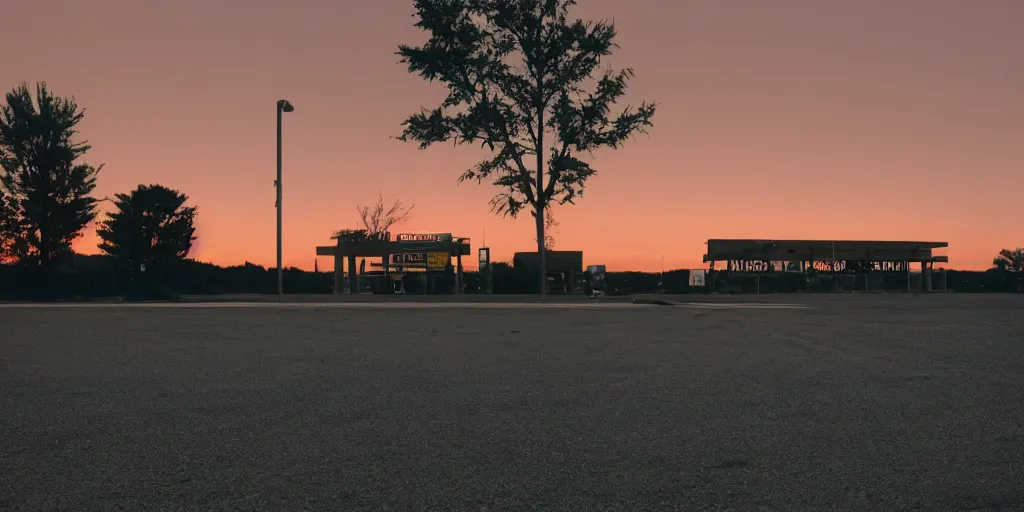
[282,107]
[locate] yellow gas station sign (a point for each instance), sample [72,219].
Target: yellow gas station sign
[437,260]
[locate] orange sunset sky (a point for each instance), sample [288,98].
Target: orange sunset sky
[831,119]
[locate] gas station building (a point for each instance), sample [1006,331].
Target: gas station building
[429,254]
[828,256]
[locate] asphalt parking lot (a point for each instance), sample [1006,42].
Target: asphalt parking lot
[901,402]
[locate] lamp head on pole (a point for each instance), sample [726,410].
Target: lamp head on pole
[285,106]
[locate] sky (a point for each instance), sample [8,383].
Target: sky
[777,119]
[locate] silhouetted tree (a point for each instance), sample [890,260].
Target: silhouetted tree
[549,230]
[378,219]
[523,81]
[351,235]
[47,190]
[7,227]
[149,233]
[1010,259]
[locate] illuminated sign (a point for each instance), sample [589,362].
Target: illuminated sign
[697,277]
[485,256]
[826,266]
[409,259]
[890,266]
[437,260]
[429,261]
[751,266]
[424,237]
[818,266]
[867,266]
[597,277]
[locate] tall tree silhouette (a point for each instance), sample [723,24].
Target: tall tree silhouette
[1010,259]
[47,188]
[149,232]
[524,82]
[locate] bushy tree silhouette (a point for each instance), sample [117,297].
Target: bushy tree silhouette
[1010,259]
[148,234]
[351,235]
[46,199]
[524,81]
[7,227]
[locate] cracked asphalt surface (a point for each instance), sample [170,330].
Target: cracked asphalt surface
[864,403]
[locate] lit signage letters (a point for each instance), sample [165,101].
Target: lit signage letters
[430,261]
[818,266]
[409,258]
[751,266]
[424,237]
[826,266]
[891,266]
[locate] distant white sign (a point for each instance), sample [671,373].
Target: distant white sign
[697,277]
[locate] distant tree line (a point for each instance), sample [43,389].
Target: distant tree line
[47,201]
[85,277]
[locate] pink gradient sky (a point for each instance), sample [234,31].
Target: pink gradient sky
[866,119]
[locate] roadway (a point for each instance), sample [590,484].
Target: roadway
[849,403]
